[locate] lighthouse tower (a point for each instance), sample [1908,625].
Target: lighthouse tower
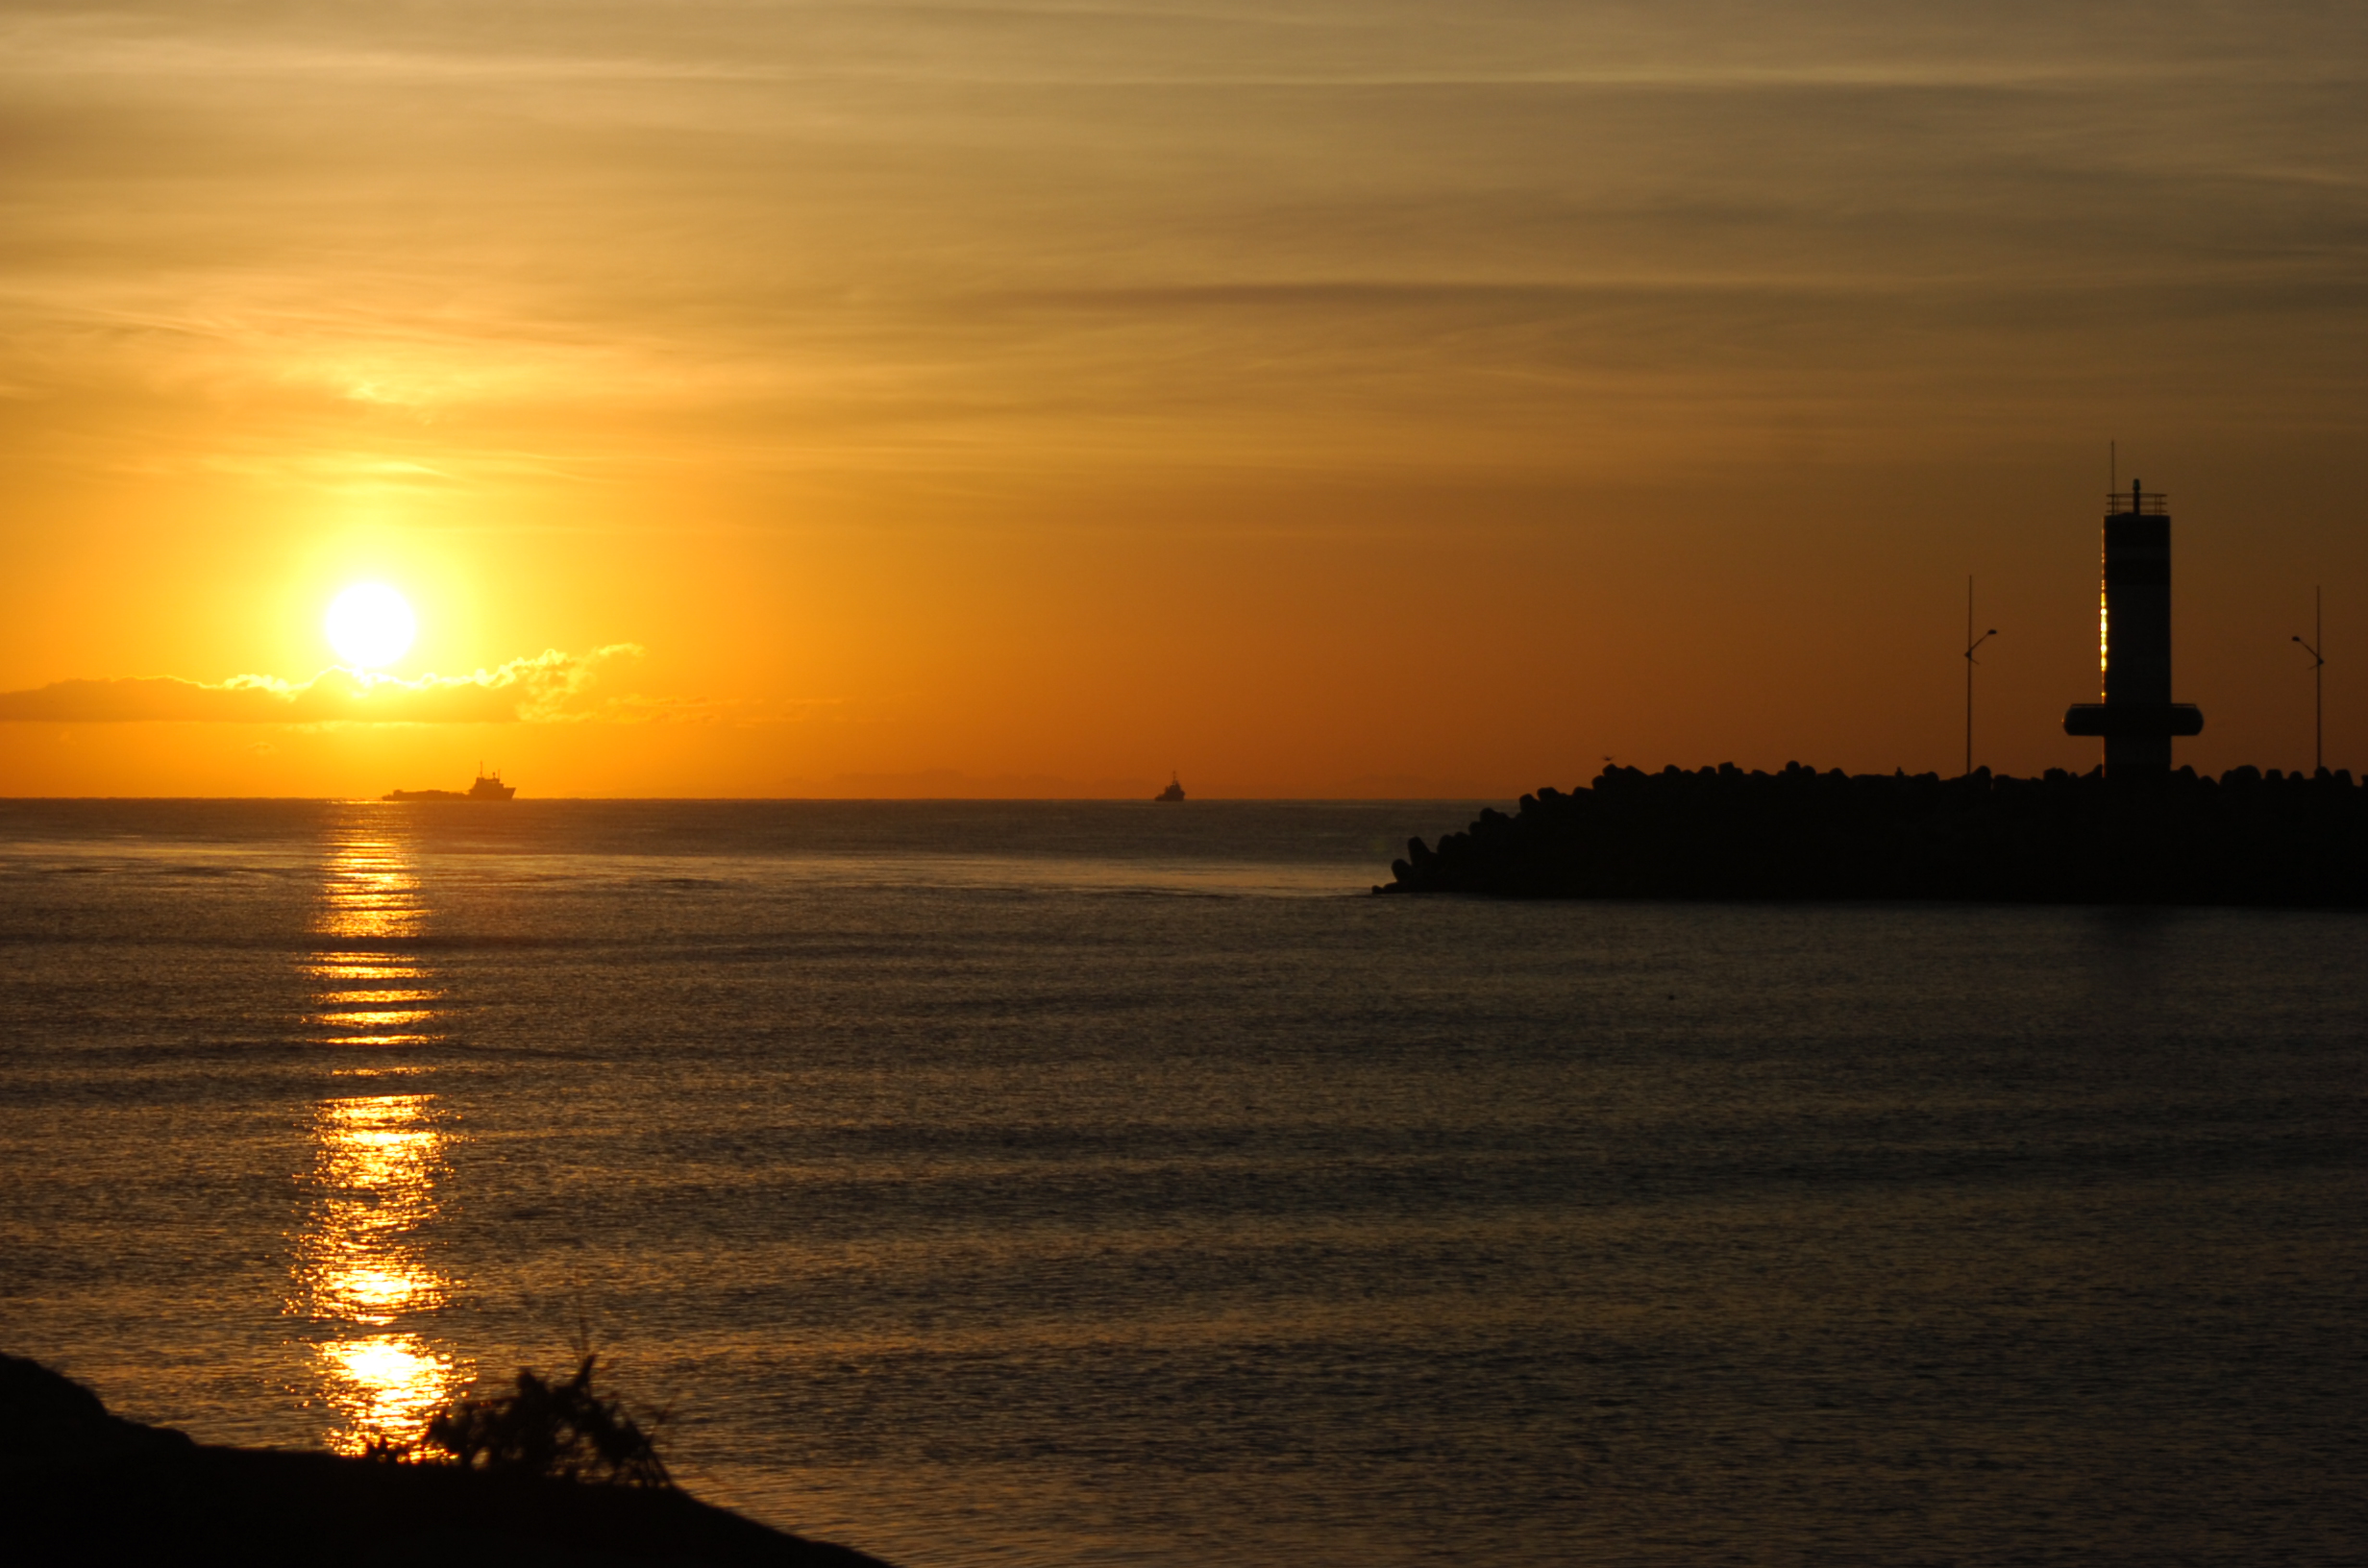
[2138,718]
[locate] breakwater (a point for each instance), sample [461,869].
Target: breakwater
[2246,837]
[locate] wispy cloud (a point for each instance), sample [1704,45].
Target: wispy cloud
[439,244]
[552,687]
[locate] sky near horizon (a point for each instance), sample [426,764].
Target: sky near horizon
[1315,398]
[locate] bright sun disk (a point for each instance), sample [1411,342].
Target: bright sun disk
[369,625]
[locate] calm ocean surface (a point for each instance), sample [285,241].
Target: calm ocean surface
[1076,1185]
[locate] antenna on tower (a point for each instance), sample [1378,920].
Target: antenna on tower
[2112,467]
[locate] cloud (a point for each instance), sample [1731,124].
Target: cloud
[552,687]
[444,245]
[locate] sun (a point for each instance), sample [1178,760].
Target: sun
[369,625]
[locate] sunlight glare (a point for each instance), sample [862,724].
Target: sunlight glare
[369,625]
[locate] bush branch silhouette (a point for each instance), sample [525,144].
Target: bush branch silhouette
[567,1431]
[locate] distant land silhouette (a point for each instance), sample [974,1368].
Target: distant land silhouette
[78,1484]
[2244,838]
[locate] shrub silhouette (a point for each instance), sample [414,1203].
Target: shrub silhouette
[562,1429]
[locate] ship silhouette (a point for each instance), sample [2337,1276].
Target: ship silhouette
[1174,790]
[488,787]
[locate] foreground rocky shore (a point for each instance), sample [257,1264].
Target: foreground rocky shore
[78,1485]
[2244,838]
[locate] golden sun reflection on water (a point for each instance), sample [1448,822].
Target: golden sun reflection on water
[364,1276]
[364,1270]
[371,912]
[386,1387]
[376,1170]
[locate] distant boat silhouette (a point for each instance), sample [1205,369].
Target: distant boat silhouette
[488,787]
[1173,791]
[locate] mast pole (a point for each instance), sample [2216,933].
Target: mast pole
[1971,643]
[2318,678]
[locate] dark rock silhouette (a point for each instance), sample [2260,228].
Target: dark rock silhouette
[2245,838]
[78,1485]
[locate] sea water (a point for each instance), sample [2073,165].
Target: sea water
[1091,1184]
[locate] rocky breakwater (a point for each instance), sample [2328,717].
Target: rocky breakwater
[2244,838]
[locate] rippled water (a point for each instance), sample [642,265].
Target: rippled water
[1114,1184]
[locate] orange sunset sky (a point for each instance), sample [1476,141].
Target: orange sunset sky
[1320,398]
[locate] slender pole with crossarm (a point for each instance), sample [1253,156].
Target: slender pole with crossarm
[1971,643]
[2318,683]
